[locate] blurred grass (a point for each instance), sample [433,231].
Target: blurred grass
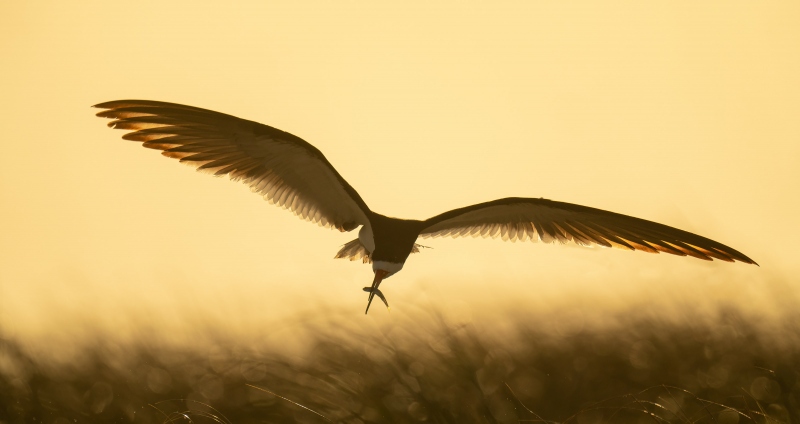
[726,366]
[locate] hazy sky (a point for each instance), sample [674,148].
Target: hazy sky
[684,113]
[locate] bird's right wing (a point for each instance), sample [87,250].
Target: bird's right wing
[541,219]
[281,167]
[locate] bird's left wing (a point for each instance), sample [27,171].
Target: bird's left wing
[281,167]
[541,219]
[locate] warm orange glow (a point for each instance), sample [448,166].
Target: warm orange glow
[681,113]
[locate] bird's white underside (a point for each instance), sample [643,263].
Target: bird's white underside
[390,267]
[365,236]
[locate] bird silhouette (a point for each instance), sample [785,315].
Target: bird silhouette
[291,173]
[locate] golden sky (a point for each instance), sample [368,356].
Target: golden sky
[685,113]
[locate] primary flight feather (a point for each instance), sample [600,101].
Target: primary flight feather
[289,172]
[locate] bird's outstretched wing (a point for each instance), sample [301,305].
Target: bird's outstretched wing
[541,219]
[283,168]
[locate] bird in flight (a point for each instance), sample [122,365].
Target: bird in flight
[291,173]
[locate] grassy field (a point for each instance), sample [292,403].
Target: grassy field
[722,366]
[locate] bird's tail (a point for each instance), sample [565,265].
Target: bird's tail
[354,250]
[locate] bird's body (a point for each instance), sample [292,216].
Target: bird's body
[389,241]
[292,173]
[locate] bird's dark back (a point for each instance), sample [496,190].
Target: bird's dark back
[394,237]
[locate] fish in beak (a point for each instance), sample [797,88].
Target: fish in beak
[379,276]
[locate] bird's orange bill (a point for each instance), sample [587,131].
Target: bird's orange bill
[379,276]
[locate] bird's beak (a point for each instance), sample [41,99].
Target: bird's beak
[379,276]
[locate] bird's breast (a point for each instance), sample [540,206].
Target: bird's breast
[390,267]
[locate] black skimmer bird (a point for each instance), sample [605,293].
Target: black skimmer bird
[291,173]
